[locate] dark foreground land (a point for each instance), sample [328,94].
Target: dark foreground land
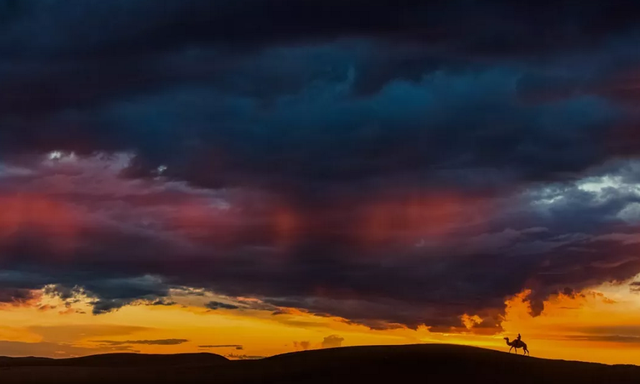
[384,364]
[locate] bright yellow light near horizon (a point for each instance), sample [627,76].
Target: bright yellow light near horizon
[559,332]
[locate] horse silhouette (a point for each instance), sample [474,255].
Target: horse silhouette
[517,344]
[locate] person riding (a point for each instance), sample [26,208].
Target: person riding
[519,338]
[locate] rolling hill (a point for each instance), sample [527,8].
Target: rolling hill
[413,363]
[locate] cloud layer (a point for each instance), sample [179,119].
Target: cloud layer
[415,166]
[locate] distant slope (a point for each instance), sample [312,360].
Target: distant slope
[118,360]
[442,363]
[23,361]
[138,360]
[380,364]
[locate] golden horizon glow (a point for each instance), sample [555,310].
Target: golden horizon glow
[577,327]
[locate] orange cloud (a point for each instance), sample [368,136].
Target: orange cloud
[470,321]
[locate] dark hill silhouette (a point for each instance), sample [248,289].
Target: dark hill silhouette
[413,363]
[138,360]
[23,361]
[118,360]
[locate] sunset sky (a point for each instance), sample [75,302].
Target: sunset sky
[256,177]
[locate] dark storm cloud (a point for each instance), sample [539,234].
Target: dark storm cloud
[438,285]
[405,132]
[176,95]
[110,294]
[15,295]
[326,136]
[79,52]
[121,27]
[549,238]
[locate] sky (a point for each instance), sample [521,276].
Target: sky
[256,177]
